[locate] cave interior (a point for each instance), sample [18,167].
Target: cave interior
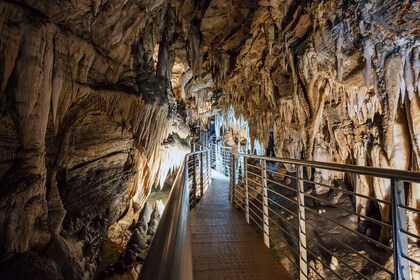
[100,101]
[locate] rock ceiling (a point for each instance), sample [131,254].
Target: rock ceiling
[91,95]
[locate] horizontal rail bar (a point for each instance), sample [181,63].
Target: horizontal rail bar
[284,208]
[259,167]
[350,248]
[256,214]
[255,182]
[410,259]
[282,185]
[350,230]
[348,211]
[349,192]
[286,221]
[389,173]
[409,208]
[288,199]
[250,216]
[284,254]
[314,270]
[409,233]
[339,259]
[282,174]
[325,265]
[288,234]
[252,173]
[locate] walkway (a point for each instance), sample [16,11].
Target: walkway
[224,245]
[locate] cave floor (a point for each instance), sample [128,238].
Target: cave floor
[224,245]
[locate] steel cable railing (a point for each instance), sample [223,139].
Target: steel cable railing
[289,210]
[170,256]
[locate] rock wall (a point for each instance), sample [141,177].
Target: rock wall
[89,124]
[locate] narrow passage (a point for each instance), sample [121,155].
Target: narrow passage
[224,246]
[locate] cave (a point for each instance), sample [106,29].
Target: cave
[102,102]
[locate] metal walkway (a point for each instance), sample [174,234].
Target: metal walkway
[224,246]
[291,213]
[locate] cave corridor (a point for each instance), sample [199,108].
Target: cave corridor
[209,139]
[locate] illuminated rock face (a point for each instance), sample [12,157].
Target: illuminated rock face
[89,124]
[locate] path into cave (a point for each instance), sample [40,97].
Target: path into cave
[223,245]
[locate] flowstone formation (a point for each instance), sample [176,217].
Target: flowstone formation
[90,122]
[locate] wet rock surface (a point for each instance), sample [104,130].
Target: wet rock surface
[134,252]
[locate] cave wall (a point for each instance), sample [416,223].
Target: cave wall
[89,124]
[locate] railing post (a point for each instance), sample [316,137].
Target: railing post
[186,180]
[232,181]
[194,182]
[208,155]
[399,222]
[265,204]
[246,191]
[216,157]
[228,155]
[211,154]
[222,152]
[303,258]
[201,174]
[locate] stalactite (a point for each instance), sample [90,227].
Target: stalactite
[408,77]
[368,51]
[339,56]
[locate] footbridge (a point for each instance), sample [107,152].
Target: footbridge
[239,216]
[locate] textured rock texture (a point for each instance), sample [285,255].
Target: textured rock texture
[89,124]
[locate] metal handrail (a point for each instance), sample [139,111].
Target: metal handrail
[241,198]
[221,146]
[388,173]
[170,255]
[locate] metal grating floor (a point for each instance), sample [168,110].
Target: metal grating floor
[224,245]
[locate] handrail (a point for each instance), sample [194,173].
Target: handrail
[221,146]
[411,176]
[170,255]
[240,182]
